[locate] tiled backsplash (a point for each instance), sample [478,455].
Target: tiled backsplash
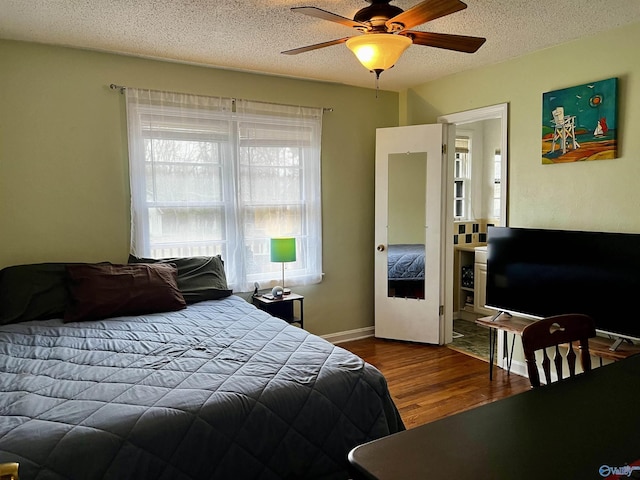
[471,233]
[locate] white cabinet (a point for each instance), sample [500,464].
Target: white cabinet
[464,295]
[480,282]
[471,282]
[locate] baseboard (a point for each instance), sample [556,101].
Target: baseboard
[349,335]
[519,368]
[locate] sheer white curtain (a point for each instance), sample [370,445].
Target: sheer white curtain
[222,176]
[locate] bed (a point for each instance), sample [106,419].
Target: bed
[405,270]
[203,388]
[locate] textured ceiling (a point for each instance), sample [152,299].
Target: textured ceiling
[249,35]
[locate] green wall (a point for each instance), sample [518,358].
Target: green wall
[64,192]
[598,195]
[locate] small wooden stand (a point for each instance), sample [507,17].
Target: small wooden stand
[598,346]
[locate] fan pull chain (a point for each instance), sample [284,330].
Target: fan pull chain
[377,72]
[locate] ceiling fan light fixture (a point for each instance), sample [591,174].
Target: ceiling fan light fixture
[378,51]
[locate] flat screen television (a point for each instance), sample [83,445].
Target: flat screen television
[540,273]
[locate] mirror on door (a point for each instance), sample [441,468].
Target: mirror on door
[407,206]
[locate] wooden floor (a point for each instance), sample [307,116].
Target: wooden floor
[430,382]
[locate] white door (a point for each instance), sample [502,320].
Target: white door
[414,214]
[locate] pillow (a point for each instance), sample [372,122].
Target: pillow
[199,278]
[32,292]
[100,291]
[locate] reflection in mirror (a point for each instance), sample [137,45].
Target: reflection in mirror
[406,220]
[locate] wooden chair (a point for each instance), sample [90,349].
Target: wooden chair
[554,331]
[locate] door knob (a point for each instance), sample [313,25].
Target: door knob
[380,248]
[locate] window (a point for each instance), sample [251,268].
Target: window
[497,188]
[462,179]
[221,176]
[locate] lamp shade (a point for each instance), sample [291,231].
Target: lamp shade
[378,51]
[283,249]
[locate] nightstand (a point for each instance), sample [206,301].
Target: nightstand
[283,307]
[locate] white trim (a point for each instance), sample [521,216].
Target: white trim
[519,368]
[349,335]
[469,116]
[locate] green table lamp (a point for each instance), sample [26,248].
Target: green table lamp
[283,250]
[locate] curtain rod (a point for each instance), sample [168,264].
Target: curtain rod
[122,88]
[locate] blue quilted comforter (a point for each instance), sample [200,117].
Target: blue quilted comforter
[405,262]
[219,390]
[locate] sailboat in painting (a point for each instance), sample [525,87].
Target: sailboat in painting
[598,132]
[601,128]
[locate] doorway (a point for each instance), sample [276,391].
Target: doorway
[479,201]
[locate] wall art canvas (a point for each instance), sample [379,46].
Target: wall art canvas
[579,123]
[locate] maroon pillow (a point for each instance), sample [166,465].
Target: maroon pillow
[105,290]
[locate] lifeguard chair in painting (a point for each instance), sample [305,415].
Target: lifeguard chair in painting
[564,129]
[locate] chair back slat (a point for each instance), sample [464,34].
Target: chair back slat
[571,360]
[585,358]
[553,332]
[558,362]
[546,366]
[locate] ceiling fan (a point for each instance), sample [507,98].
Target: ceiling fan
[386,31]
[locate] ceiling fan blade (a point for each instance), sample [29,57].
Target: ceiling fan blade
[459,43]
[426,11]
[308,48]
[324,15]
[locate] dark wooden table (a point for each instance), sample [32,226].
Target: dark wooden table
[566,430]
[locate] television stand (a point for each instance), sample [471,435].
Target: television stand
[500,313]
[612,349]
[506,323]
[598,346]
[619,341]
